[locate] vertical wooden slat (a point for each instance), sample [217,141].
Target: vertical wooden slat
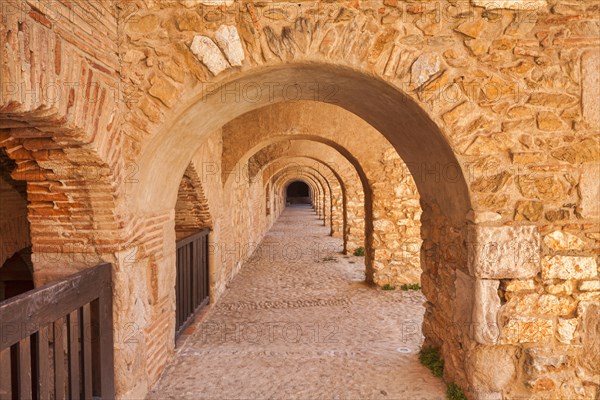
[74,365]
[192,276]
[86,354]
[24,368]
[59,359]
[107,372]
[186,285]
[201,270]
[5,374]
[195,273]
[205,258]
[180,293]
[186,296]
[43,363]
[178,290]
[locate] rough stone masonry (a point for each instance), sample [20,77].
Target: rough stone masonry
[456,141]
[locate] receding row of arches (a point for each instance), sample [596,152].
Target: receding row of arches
[224,168]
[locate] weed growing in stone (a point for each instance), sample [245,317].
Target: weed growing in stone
[431,358]
[328,258]
[454,392]
[387,286]
[359,252]
[411,286]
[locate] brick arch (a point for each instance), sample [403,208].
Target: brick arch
[192,211]
[61,123]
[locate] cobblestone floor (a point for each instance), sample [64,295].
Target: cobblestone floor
[299,323]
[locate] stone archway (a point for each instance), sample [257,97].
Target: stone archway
[466,70]
[341,186]
[417,140]
[382,174]
[334,207]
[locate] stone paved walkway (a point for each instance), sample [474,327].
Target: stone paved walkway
[299,323]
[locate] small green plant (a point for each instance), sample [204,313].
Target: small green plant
[411,286]
[430,357]
[387,286]
[359,252]
[454,392]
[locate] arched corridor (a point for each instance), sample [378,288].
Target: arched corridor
[452,146]
[298,321]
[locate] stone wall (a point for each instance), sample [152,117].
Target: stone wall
[492,106]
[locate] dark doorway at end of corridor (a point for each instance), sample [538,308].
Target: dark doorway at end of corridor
[298,193]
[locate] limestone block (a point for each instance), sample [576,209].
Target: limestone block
[590,87]
[472,29]
[589,286]
[209,54]
[228,39]
[542,360]
[526,330]
[486,379]
[489,396]
[587,150]
[195,3]
[548,188]
[424,67]
[464,287]
[529,211]
[548,121]
[163,90]
[569,267]
[553,100]
[565,287]
[559,240]
[383,225]
[520,285]
[565,330]
[538,304]
[589,191]
[146,24]
[504,252]
[511,4]
[485,311]
[589,359]
[483,216]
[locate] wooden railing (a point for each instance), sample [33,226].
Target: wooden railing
[57,341]
[191,290]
